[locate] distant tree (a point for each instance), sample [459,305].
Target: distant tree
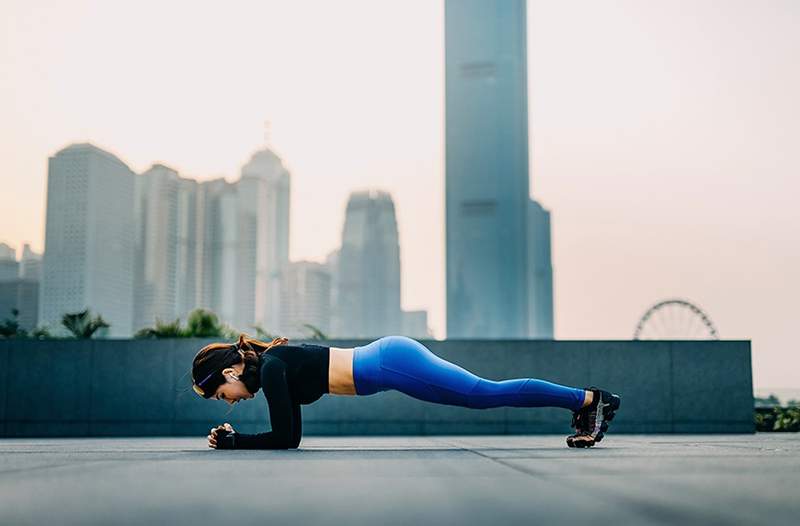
[9,327]
[230,333]
[81,325]
[163,330]
[262,334]
[40,333]
[203,324]
[770,401]
[316,334]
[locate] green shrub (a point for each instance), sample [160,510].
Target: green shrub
[316,334]
[201,323]
[777,419]
[9,327]
[162,330]
[82,325]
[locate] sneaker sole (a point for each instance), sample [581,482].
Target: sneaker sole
[584,443]
[609,411]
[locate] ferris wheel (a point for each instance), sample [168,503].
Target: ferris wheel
[675,319]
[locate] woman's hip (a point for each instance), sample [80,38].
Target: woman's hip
[393,354]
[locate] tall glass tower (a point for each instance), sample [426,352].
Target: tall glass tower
[486,169]
[368,276]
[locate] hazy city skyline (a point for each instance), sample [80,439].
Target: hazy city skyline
[662,137]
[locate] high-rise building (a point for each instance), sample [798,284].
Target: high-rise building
[486,169]
[9,266]
[19,286]
[332,267]
[30,267]
[263,196]
[21,294]
[305,299]
[218,247]
[415,324]
[89,239]
[369,268]
[166,238]
[7,252]
[540,277]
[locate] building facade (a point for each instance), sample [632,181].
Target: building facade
[263,192]
[89,239]
[486,169]
[166,209]
[368,288]
[217,247]
[540,277]
[9,266]
[30,266]
[415,324]
[305,300]
[19,286]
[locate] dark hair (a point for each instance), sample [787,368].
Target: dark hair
[209,362]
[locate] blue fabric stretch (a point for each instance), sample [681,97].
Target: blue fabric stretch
[406,365]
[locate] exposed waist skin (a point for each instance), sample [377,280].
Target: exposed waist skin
[340,371]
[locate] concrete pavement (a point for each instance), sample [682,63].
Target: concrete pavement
[627,479]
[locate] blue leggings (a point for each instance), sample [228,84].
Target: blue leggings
[404,364]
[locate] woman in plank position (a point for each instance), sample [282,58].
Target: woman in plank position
[295,375]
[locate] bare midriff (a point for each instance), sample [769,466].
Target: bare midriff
[340,371]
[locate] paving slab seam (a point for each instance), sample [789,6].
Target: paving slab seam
[498,461]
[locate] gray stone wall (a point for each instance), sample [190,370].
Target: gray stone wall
[143,387]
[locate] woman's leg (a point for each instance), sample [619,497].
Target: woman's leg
[406,365]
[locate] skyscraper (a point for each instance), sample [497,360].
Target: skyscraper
[486,170]
[30,267]
[21,294]
[263,196]
[30,275]
[332,267]
[415,324]
[89,238]
[218,247]
[368,288]
[540,277]
[9,266]
[166,238]
[305,299]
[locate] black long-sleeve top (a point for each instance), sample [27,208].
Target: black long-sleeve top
[291,375]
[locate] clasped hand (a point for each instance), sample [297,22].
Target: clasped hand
[212,438]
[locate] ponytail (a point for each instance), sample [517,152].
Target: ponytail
[257,346]
[252,350]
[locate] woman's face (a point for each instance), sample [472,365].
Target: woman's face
[232,390]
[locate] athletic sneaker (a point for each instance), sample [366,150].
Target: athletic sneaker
[591,422]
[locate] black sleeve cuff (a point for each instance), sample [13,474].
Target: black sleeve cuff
[226,439]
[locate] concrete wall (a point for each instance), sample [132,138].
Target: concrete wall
[143,387]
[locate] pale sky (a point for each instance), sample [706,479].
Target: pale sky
[664,136]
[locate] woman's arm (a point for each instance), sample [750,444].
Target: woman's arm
[284,415]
